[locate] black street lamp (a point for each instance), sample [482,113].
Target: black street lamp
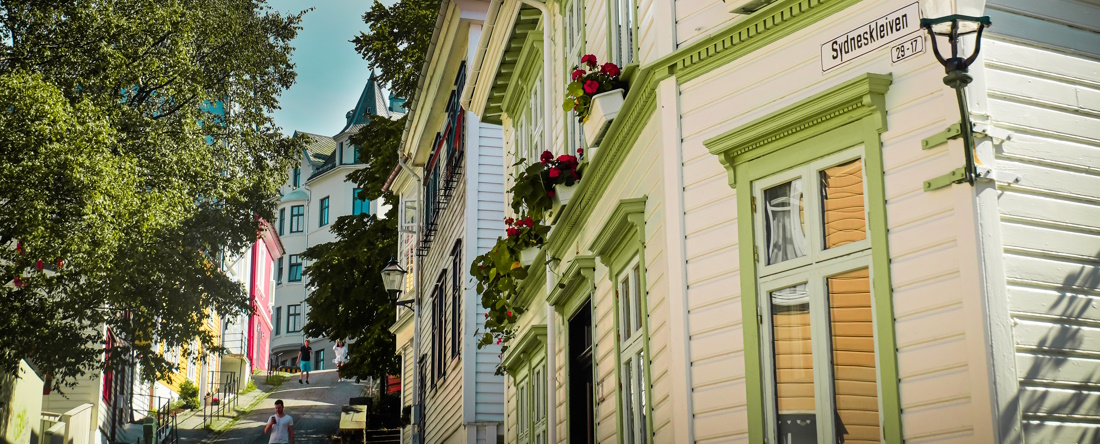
[952,27]
[393,278]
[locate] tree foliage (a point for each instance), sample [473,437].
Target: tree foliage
[348,301]
[125,176]
[398,41]
[381,137]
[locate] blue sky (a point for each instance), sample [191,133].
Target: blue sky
[330,73]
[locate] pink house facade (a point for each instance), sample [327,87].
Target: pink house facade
[263,253]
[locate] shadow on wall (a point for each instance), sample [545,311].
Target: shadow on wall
[20,406]
[1059,384]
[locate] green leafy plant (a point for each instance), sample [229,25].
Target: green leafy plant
[590,79]
[534,187]
[189,394]
[499,274]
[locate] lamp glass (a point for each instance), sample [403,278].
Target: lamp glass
[393,276]
[943,8]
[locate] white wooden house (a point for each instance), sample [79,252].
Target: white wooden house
[458,164]
[761,196]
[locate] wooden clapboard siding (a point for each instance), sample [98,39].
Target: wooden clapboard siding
[489,154]
[1043,77]
[935,380]
[647,30]
[697,18]
[595,30]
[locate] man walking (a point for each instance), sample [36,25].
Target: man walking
[280,426]
[304,364]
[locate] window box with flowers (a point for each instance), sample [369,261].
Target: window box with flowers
[595,95]
[543,185]
[499,274]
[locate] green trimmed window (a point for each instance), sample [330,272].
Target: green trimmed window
[359,206]
[282,220]
[278,271]
[573,23]
[620,245]
[815,283]
[528,128]
[295,274]
[297,218]
[297,178]
[322,218]
[293,318]
[623,21]
[526,363]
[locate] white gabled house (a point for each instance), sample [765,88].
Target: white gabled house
[458,167]
[767,245]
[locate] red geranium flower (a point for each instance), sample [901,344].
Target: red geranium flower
[580,150]
[591,86]
[509,313]
[529,222]
[554,173]
[589,60]
[550,194]
[610,69]
[546,157]
[509,221]
[513,232]
[577,74]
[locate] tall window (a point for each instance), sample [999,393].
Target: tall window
[342,154]
[531,404]
[295,274]
[623,16]
[293,318]
[574,50]
[632,354]
[297,177]
[278,320]
[322,218]
[297,218]
[456,295]
[279,271]
[359,206]
[282,220]
[815,297]
[319,359]
[529,130]
[438,326]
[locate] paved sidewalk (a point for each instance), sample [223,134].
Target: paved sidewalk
[314,407]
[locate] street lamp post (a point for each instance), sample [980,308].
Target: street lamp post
[393,278]
[953,27]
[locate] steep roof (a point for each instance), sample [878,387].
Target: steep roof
[371,103]
[320,147]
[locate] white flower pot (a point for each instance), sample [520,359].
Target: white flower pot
[563,194]
[527,256]
[605,107]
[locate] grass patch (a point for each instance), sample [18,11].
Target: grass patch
[276,379]
[250,387]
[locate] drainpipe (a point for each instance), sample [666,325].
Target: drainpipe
[479,56]
[417,408]
[551,321]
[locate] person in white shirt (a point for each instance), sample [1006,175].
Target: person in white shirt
[341,352]
[280,426]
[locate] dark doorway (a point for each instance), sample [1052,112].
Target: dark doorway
[581,386]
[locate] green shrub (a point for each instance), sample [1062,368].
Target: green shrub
[250,387]
[189,394]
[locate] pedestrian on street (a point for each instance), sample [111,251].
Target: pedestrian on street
[341,352]
[304,364]
[280,426]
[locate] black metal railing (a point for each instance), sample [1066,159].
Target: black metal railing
[165,431]
[221,396]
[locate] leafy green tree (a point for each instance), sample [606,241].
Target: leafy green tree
[137,149]
[398,41]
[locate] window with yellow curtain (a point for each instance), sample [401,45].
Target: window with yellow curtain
[814,259]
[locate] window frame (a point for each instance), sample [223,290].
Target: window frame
[615,36]
[847,115]
[282,217]
[620,244]
[297,218]
[293,313]
[359,206]
[292,265]
[457,274]
[529,131]
[278,320]
[279,271]
[572,50]
[522,360]
[322,213]
[297,178]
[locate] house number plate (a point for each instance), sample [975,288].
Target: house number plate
[910,47]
